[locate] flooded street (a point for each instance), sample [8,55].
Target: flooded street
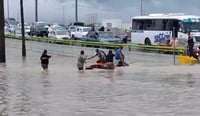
[151,86]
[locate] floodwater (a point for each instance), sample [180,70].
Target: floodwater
[151,86]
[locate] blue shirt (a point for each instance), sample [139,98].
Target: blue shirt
[117,54]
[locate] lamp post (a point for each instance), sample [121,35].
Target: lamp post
[36,10]
[2,37]
[76,10]
[141,7]
[22,29]
[63,15]
[8,10]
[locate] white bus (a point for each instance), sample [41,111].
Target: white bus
[156,29]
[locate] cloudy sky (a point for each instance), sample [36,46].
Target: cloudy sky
[60,11]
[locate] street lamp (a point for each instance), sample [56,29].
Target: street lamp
[63,15]
[141,7]
[36,10]
[8,10]
[22,29]
[2,37]
[76,10]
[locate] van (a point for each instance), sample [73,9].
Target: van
[80,32]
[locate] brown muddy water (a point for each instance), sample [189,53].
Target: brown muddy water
[151,86]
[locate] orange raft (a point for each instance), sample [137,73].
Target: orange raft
[102,65]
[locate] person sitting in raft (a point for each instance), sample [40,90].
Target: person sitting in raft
[101,56]
[119,57]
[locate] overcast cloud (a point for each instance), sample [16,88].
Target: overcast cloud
[52,10]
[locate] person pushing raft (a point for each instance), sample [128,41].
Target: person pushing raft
[81,60]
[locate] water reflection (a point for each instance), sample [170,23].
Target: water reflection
[3,90]
[22,105]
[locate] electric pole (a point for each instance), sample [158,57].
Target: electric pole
[8,10]
[36,10]
[22,28]
[2,37]
[141,8]
[76,10]
[63,15]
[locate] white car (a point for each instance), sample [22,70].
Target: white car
[27,27]
[80,32]
[59,34]
[18,32]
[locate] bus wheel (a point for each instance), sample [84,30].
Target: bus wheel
[147,41]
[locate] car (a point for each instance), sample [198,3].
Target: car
[27,27]
[12,28]
[39,29]
[79,32]
[59,34]
[103,36]
[18,32]
[56,27]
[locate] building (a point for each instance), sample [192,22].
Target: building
[112,23]
[115,23]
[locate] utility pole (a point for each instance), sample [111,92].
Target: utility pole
[2,37]
[141,8]
[22,29]
[8,10]
[76,10]
[63,15]
[36,10]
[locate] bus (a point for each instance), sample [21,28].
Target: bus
[158,29]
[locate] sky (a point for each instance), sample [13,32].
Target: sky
[63,11]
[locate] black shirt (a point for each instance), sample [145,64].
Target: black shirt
[109,57]
[45,59]
[190,40]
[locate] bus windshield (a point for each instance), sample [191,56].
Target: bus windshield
[192,26]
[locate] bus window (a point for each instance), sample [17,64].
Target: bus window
[181,28]
[138,25]
[158,24]
[148,24]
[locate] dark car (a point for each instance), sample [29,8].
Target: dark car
[102,36]
[39,29]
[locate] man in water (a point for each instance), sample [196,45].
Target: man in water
[81,60]
[45,60]
[101,56]
[119,57]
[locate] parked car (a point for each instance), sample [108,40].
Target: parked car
[12,28]
[102,36]
[18,32]
[6,29]
[59,34]
[27,27]
[11,21]
[80,32]
[39,29]
[56,27]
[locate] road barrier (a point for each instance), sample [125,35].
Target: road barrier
[148,48]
